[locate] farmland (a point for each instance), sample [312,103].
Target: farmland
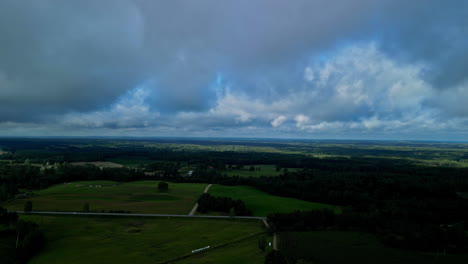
[90,240]
[262,203]
[241,252]
[389,196]
[137,197]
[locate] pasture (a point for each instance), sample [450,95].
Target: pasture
[137,197]
[241,252]
[262,203]
[353,247]
[76,239]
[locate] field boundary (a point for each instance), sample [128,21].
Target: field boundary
[143,215]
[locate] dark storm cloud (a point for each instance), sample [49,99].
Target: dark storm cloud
[62,55]
[58,55]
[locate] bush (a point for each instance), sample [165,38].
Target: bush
[163,186]
[27,206]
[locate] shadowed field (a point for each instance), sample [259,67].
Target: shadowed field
[354,247]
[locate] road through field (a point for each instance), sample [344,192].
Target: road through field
[195,207]
[142,215]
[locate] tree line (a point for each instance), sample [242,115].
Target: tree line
[208,203]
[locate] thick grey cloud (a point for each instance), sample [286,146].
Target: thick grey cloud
[429,31]
[59,55]
[297,66]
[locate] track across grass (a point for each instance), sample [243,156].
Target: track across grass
[262,203]
[245,251]
[137,197]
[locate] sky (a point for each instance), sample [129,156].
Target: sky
[314,69]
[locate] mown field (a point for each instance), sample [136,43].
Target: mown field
[242,252]
[137,197]
[260,170]
[76,239]
[262,203]
[336,247]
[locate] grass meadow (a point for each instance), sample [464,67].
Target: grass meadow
[78,239]
[262,203]
[137,197]
[245,251]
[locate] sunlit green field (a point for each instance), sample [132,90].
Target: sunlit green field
[137,197]
[77,239]
[262,203]
[336,247]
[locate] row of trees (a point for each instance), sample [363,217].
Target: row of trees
[208,203]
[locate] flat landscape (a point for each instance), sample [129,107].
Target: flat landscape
[398,202]
[234,132]
[76,239]
[263,204]
[137,197]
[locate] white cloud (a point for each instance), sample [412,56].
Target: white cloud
[131,110]
[358,90]
[308,74]
[278,121]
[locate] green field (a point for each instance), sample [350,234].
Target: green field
[335,247]
[262,203]
[75,239]
[242,252]
[137,197]
[260,170]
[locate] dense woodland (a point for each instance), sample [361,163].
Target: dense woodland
[407,205]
